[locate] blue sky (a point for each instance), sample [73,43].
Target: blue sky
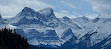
[74,7]
[69,8]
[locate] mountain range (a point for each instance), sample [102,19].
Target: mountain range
[43,28]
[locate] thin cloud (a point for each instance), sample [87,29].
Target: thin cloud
[101,6]
[69,4]
[63,13]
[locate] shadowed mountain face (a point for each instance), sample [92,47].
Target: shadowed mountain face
[85,43]
[0,17]
[67,34]
[70,43]
[105,44]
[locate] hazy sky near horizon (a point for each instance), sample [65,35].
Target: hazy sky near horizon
[70,8]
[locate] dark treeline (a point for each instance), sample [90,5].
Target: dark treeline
[10,40]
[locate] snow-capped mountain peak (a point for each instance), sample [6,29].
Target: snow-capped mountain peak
[48,12]
[27,9]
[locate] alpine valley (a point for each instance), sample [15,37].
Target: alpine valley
[42,28]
